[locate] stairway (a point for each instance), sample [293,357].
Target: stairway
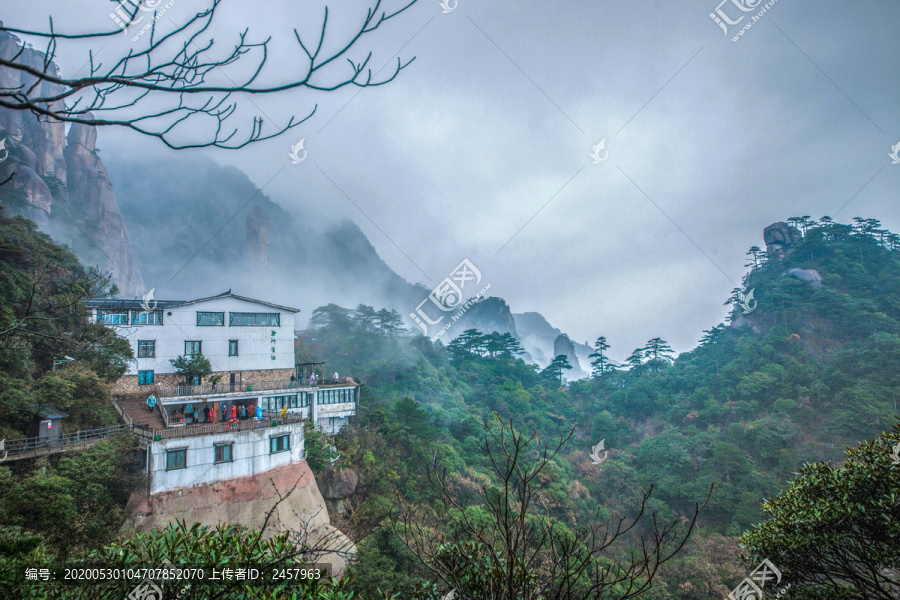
[135,406]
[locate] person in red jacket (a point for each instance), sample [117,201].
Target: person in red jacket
[234,411]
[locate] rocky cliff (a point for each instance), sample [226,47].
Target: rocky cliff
[247,501]
[59,181]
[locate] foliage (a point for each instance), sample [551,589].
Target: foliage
[835,531]
[191,368]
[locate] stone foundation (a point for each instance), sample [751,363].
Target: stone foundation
[246,501]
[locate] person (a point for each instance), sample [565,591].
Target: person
[196,416]
[211,415]
[283,412]
[301,380]
[151,402]
[312,380]
[293,380]
[222,414]
[234,411]
[335,377]
[259,413]
[243,412]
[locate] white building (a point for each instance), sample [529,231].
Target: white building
[205,431]
[243,338]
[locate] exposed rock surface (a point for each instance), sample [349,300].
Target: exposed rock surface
[563,345]
[809,275]
[246,501]
[61,183]
[91,195]
[780,237]
[339,484]
[538,338]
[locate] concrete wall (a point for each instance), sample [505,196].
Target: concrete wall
[250,457]
[254,343]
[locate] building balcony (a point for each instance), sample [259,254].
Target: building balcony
[269,420]
[225,390]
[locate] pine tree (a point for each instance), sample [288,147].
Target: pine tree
[601,361]
[555,369]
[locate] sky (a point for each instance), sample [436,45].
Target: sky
[481,148]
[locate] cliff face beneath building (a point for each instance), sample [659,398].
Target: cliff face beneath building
[247,501]
[59,181]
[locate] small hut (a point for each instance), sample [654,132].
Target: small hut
[50,425]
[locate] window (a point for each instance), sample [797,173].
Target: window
[304,399]
[224,452]
[154,317]
[145,377]
[112,317]
[279,443]
[237,319]
[176,459]
[146,348]
[232,348]
[191,348]
[210,319]
[276,403]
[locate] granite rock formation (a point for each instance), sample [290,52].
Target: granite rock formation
[780,237]
[59,181]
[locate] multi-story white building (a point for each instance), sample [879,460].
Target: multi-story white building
[205,431]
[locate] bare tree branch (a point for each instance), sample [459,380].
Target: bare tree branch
[175,79]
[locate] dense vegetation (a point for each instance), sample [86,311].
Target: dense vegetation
[811,370]
[477,471]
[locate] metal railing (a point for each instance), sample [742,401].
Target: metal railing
[213,389]
[30,447]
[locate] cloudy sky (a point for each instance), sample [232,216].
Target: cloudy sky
[481,148]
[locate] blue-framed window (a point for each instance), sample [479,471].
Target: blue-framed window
[140,317]
[191,348]
[145,377]
[210,319]
[232,347]
[240,319]
[279,443]
[176,459]
[146,349]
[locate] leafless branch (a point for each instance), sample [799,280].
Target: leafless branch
[176,77]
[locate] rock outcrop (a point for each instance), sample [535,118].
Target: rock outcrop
[339,484]
[247,501]
[91,196]
[780,237]
[563,345]
[809,275]
[59,181]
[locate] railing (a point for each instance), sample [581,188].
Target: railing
[28,447]
[164,412]
[212,389]
[212,428]
[123,414]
